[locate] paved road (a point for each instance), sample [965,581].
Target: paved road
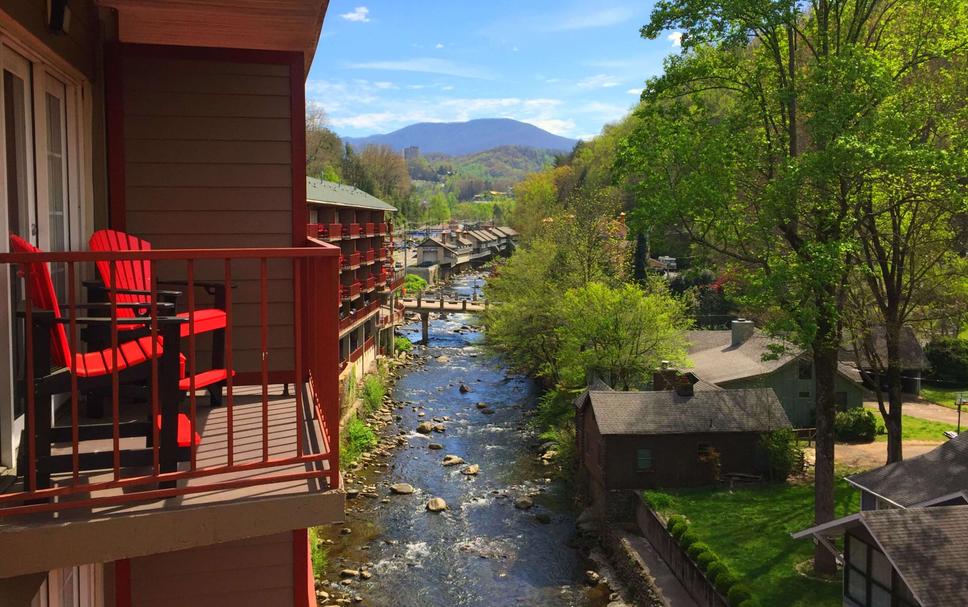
[873,455]
[926,410]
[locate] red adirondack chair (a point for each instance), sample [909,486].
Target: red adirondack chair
[132,285]
[55,362]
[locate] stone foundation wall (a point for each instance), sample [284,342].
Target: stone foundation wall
[631,570]
[692,578]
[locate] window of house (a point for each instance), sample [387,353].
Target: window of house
[78,586]
[805,394]
[840,398]
[869,579]
[805,368]
[644,459]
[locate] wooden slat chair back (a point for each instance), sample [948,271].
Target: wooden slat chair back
[129,274]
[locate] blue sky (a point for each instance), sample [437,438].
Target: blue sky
[568,67]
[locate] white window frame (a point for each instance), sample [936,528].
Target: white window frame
[44,65]
[88,591]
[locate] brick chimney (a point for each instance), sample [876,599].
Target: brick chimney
[684,387]
[742,331]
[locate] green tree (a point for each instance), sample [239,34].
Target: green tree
[414,285]
[324,148]
[621,334]
[758,138]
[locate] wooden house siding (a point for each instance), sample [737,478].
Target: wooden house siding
[208,164]
[254,572]
[788,386]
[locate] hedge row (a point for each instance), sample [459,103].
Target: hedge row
[725,581]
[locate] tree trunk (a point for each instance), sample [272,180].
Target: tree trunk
[892,421]
[825,370]
[640,257]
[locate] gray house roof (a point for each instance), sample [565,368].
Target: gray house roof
[338,194]
[912,353]
[937,473]
[716,360]
[665,412]
[928,547]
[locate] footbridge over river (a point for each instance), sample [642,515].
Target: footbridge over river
[443,306]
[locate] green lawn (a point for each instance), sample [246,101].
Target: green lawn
[750,528]
[915,428]
[943,396]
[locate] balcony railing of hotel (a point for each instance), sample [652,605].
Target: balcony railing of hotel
[383,228]
[370,229]
[356,315]
[352,230]
[350,291]
[369,256]
[383,253]
[398,278]
[370,283]
[351,261]
[154,442]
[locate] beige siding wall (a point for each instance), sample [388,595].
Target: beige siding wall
[208,165]
[256,572]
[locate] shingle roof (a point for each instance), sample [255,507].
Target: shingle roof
[509,231]
[338,194]
[665,412]
[912,354]
[929,549]
[716,360]
[939,472]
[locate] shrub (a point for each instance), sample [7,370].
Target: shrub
[949,359]
[855,425]
[749,603]
[402,344]
[725,581]
[688,539]
[714,569]
[679,529]
[675,518]
[356,440]
[696,549]
[738,594]
[414,285]
[373,393]
[782,453]
[318,554]
[707,560]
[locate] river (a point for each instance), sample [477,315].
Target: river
[481,552]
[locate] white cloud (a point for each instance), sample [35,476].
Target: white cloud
[383,85]
[439,45]
[634,91]
[589,16]
[448,87]
[557,126]
[675,38]
[359,14]
[598,81]
[428,65]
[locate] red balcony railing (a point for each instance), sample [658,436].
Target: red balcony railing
[350,261]
[357,315]
[370,283]
[356,354]
[369,256]
[151,450]
[381,228]
[333,231]
[350,291]
[384,253]
[351,230]
[370,229]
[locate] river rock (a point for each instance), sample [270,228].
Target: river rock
[443,358]
[463,388]
[523,503]
[452,460]
[592,578]
[348,573]
[471,470]
[435,446]
[401,488]
[543,517]
[425,428]
[487,411]
[436,504]
[481,405]
[440,428]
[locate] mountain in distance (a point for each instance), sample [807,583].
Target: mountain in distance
[463,138]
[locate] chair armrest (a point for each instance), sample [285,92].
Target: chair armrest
[139,320]
[99,286]
[101,305]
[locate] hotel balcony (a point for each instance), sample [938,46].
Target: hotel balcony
[160,465]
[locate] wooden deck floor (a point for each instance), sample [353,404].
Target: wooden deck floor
[247,447]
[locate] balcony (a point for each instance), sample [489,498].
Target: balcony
[351,291]
[352,230]
[382,229]
[370,256]
[355,317]
[137,456]
[370,229]
[350,261]
[369,284]
[383,253]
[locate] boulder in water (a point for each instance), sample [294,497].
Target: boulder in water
[425,428]
[452,460]
[471,470]
[436,504]
[401,488]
